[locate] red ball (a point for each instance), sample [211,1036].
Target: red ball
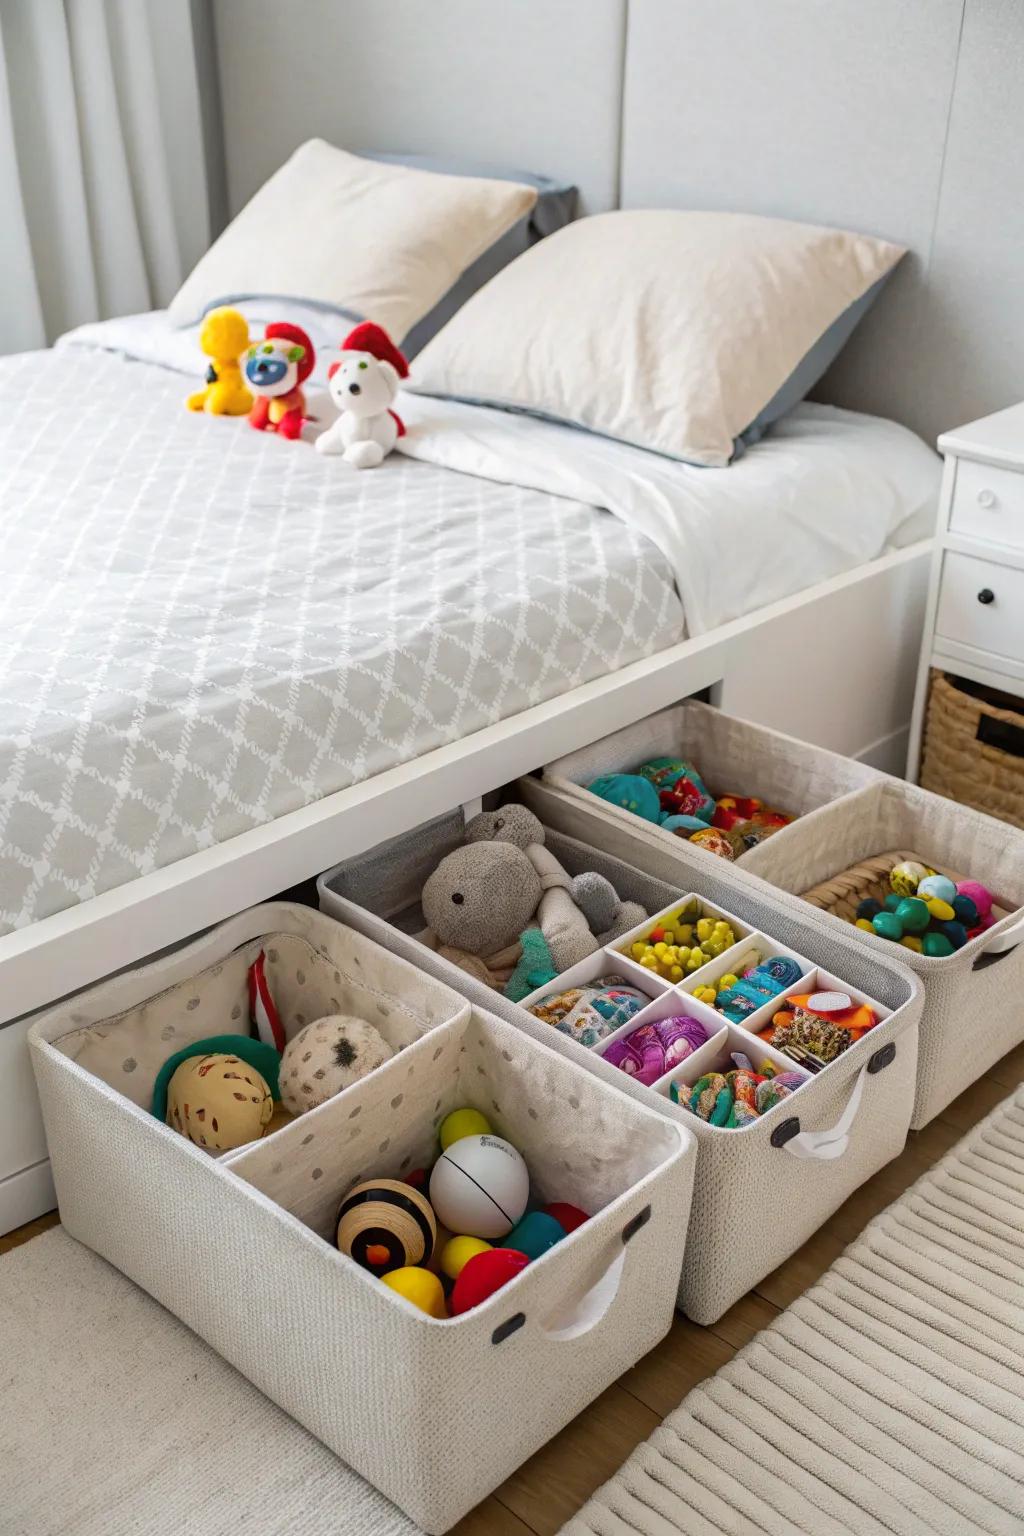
[482,1276]
[569,1217]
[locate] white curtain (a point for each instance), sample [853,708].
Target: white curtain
[102,166]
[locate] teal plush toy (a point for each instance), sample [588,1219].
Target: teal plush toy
[630,792]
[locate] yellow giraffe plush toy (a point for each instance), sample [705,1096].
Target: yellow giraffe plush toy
[224,337]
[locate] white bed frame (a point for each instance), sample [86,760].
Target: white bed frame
[666,102]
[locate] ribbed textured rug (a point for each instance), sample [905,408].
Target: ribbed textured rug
[888,1398]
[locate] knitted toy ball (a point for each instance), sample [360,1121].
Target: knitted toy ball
[218,1101]
[385,1225]
[328,1055]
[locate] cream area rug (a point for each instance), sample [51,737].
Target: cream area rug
[888,1398]
[116,1420]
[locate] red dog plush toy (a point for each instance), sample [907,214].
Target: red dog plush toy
[275,368]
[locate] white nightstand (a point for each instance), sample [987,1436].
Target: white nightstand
[974,622]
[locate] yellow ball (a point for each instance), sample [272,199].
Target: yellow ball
[940,909]
[865,924]
[420,1287]
[910,941]
[460,1123]
[458,1251]
[727,981]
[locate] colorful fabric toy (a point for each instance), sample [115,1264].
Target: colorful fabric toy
[651,1050]
[732,1100]
[758,986]
[224,336]
[591,1012]
[275,368]
[364,385]
[670,792]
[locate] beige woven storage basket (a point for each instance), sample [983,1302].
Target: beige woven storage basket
[974,751]
[759,1192]
[434,1412]
[733,757]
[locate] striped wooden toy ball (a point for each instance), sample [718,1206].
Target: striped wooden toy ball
[386,1225]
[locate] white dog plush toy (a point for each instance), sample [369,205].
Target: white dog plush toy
[363,385]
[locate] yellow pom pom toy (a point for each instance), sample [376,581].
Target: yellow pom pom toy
[675,946]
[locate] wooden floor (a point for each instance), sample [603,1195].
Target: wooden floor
[543,1494]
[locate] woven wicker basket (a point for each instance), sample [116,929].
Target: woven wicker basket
[974,751]
[842,894]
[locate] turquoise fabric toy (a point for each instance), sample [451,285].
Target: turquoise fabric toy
[534,969]
[666,791]
[630,792]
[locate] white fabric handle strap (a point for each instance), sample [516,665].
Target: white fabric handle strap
[1001,945]
[833,1142]
[573,1319]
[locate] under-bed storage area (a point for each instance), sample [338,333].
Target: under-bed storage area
[242,1246]
[808,1150]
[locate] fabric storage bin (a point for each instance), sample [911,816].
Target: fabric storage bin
[973,750]
[973,994]
[800,1166]
[732,757]
[239,1247]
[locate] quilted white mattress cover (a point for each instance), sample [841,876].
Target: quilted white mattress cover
[203,627]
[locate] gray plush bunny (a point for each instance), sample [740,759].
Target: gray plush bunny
[484,895]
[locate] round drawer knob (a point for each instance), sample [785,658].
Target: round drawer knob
[987,499]
[986,596]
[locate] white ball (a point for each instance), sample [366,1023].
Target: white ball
[479,1187]
[328,1055]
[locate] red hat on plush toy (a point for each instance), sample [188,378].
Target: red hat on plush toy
[281,330]
[375,340]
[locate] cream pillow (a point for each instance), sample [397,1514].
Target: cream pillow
[672,331]
[373,240]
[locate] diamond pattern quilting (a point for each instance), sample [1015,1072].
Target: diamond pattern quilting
[203,628]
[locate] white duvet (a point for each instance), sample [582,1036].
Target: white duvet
[825,491]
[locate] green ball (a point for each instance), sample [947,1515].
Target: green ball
[460,1123]
[913,914]
[888,926]
[892,901]
[965,909]
[936,945]
[868,908]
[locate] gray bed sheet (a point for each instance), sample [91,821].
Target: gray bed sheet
[203,627]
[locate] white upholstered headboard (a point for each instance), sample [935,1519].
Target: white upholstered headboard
[531,85]
[903,118]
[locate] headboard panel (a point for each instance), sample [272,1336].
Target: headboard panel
[902,120]
[533,86]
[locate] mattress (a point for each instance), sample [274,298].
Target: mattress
[203,628]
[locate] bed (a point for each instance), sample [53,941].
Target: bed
[162,798]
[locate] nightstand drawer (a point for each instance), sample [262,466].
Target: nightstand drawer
[988,504]
[982,604]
